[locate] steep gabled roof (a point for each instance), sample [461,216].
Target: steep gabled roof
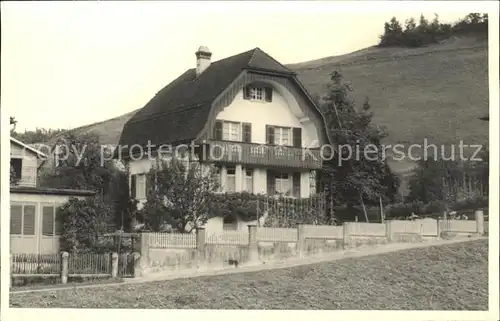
[179,111]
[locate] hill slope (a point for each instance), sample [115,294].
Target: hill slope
[435,92]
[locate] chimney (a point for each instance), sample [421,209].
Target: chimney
[203,56]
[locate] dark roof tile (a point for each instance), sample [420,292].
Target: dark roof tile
[178,112]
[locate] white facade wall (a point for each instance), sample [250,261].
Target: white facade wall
[278,113]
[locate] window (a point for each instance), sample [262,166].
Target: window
[231,180]
[285,136]
[259,93]
[50,224]
[22,220]
[141,186]
[16,165]
[286,184]
[282,136]
[282,183]
[296,184]
[231,131]
[312,181]
[216,176]
[249,180]
[256,93]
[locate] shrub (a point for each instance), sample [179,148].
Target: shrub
[472,203]
[82,222]
[402,210]
[434,207]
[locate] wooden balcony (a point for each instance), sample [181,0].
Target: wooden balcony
[227,152]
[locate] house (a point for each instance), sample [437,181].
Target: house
[248,115]
[33,225]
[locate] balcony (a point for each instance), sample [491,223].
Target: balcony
[227,152]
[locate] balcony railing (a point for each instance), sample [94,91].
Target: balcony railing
[258,154]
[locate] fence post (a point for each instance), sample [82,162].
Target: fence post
[301,240]
[388,231]
[64,267]
[144,251]
[479,215]
[438,222]
[253,251]
[114,265]
[346,239]
[200,246]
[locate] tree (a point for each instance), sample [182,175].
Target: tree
[360,177]
[39,135]
[81,163]
[13,123]
[392,33]
[83,222]
[425,33]
[181,197]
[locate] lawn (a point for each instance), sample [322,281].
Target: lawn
[451,277]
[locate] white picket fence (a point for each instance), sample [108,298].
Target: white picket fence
[172,240]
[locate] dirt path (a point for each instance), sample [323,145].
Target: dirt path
[356,252]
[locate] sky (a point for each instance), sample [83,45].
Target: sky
[68,64]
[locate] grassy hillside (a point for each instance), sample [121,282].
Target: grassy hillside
[447,277]
[435,92]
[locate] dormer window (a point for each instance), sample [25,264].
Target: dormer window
[258,93]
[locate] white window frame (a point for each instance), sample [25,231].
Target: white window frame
[279,135]
[231,128]
[248,185]
[140,186]
[257,93]
[232,177]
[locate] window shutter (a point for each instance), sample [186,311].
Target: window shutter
[133,182]
[269,94]
[296,184]
[218,130]
[319,185]
[58,224]
[29,220]
[269,135]
[247,132]
[48,221]
[147,184]
[246,92]
[271,183]
[297,137]
[16,219]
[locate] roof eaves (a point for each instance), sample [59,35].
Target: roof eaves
[30,148]
[296,79]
